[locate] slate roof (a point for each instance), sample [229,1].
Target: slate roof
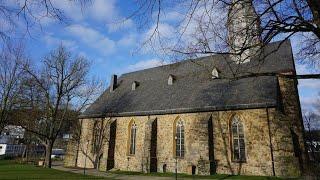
[193,89]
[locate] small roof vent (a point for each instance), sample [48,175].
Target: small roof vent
[134,85]
[215,73]
[170,79]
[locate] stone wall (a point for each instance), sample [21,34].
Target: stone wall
[70,159]
[268,140]
[86,132]
[257,141]
[196,143]
[258,154]
[123,160]
[287,127]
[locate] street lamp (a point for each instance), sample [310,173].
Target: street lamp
[85,159]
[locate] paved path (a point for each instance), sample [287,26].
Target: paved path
[94,172]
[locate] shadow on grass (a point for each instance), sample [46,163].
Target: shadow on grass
[11,170]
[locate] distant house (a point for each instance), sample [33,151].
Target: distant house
[12,150]
[11,134]
[11,143]
[18,150]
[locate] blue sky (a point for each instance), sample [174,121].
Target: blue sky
[96,33]
[113,47]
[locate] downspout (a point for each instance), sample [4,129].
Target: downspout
[270,142]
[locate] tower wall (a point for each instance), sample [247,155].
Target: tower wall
[243,31]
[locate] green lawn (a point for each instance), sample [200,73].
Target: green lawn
[216,176]
[9,170]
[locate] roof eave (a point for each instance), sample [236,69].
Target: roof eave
[182,110]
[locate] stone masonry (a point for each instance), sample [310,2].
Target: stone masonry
[269,140]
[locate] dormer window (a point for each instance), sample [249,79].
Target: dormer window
[215,73]
[170,79]
[134,85]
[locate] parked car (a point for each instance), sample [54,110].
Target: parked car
[58,153]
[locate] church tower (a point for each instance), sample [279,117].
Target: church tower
[243,31]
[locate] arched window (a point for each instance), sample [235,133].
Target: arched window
[133,133]
[179,139]
[238,144]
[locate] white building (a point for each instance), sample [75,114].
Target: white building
[12,149]
[11,134]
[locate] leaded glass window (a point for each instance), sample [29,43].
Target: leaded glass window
[133,133]
[179,139]
[238,142]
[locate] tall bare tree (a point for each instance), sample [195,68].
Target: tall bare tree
[311,121]
[55,94]
[26,14]
[11,59]
[202,27]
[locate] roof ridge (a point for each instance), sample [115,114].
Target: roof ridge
[171,64]
[203,58]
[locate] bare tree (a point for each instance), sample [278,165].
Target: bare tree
[204,27]
[11,59]
[312,133]
[26,14]
[56,94]
[99,137]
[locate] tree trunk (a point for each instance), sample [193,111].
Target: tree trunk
[1,126]
[77,154]
[48,154]
[315,10]
[96,162]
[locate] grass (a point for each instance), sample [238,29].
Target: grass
[180,175]
[10,170]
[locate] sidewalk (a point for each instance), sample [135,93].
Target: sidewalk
[95,172]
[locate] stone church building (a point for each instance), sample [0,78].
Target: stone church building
[194,117]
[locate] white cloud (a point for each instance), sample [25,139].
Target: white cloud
[103,10]
[302,69]
[93,38]
[165,30]
[123,24]
[308,102]
[172,16]
[160,40]
[99,10]
[107,12]
[54,41]
[145,64]
[70,9]
[181,32]
[128,40]
[310,84]
[306,68]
